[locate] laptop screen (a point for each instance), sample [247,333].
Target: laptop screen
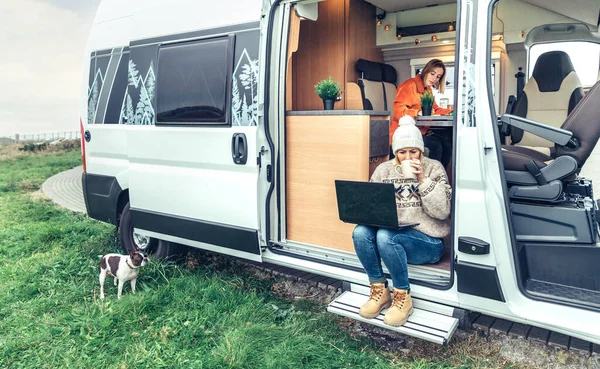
[367,203]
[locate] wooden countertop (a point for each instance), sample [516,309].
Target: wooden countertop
[336,112]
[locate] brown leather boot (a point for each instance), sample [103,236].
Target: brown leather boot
[401,309]
[380,299]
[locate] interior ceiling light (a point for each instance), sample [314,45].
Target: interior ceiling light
[379,22]
[417,41]
[450,28]
[434,38]
[399,37]
[386,27]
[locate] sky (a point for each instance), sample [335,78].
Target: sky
[41,63]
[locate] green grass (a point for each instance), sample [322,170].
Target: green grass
[214,316]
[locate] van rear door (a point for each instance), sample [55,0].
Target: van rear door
[105,145]
[192,139]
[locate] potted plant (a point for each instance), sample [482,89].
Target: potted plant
[426,102]
[329,91]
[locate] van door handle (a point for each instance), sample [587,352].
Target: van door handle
[239,148]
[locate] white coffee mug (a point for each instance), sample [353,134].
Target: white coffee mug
[407,169]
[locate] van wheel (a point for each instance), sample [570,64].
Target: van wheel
[171,250]
[131,240]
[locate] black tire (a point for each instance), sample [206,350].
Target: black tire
[170,250]
[130,241]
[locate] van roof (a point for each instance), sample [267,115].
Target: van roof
[117,22]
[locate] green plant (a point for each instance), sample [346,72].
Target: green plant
[328,89]
[427,99]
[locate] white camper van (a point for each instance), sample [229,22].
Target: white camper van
[201,127]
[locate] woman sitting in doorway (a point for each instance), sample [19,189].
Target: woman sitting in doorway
[408,102]
[423,197]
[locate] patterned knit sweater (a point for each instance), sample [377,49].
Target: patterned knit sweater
[427,204]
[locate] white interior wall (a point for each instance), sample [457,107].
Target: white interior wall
[516,19]
[516,57]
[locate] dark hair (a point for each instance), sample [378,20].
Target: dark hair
[429,67]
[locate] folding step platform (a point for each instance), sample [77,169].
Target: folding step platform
[429,321]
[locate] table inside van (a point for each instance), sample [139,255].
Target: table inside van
[435,121]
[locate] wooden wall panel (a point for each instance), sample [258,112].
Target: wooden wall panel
[360,36]
[330,46]
[292,48]
[319,150]
[320,54]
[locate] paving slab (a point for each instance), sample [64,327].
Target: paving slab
[65,189]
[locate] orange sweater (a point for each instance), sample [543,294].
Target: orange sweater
[408,101]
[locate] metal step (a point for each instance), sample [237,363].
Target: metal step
[423,323]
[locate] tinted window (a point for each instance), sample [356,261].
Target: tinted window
[117,92]
[193,80]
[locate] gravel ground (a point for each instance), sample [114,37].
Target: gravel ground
[516,351]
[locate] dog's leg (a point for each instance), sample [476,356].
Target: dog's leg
[121,283]
[133,285]
[115,281]
[102,277]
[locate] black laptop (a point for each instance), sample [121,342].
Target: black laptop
[368,203]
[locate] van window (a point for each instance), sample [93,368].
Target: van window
[98,67]
[194,82]
[107,85]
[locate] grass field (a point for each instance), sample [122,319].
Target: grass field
[214,316]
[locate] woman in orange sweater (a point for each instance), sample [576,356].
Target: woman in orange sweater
[408,102]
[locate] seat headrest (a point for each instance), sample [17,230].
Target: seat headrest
[550,70]
[389,73]
[369,70]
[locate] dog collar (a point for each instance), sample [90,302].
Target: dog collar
[130,267]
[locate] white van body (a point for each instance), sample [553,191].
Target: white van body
[214,176]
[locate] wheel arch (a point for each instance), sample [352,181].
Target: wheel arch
[121,202]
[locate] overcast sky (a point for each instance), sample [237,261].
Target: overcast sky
[41,63]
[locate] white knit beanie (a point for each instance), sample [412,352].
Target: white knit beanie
[407,135]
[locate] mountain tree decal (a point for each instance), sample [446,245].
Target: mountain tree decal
[144,111]
[132,74]
[244,95]
[93,94]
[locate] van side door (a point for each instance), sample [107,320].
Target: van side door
[192,142]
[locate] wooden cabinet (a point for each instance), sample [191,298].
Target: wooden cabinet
[321,148]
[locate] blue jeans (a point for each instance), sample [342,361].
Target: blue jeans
[397,248]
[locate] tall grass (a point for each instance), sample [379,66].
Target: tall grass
[211,317]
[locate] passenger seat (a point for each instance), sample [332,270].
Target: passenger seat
[377,85]
[534,175]
[548,97]
[370,85]
[389,78]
